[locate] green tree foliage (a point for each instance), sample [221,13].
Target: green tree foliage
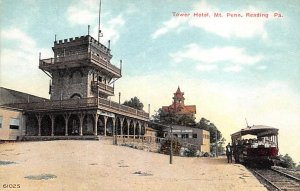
[172,118]
[134,103]
[287,161]
[215,134]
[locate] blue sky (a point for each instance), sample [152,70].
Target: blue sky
[231,68]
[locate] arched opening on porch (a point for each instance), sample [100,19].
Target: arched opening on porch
[88,125]
[109,126]
[125,127]
[131,128]
[32,126]
[118,126]
[73,125]
[100,126]
[143,129]
[46,126]
[137,129]
[59,125]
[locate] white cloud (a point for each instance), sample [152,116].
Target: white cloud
[111,30]
[83,13]
[168,25]
[205,67]
[226,27]
[262,67]
[86,12]
[217,55]
[21,61]
[234,68]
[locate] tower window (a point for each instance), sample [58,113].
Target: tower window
[99,78]
[0,121]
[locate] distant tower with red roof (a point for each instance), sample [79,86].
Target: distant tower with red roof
[178,106]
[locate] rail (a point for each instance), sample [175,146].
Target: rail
[48,62]
[101,86]
[278,180]
[139,139]
[122,108]
[83,103]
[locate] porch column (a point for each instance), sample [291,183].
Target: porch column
[140,127]
[96,123]
[66,116]
[105,122]
[128,126]
[121,125]
[134,125]
[39,118]
[81,117]
[52,117]
[114,131]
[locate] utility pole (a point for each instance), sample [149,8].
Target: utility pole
[171,149]
[216,143]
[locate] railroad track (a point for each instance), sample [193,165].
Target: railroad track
[277,180]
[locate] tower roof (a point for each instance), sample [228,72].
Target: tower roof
[178,94]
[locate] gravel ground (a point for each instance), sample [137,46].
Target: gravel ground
[98,165]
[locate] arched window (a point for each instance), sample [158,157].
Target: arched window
[76,96]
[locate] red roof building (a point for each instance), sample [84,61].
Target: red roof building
[178,106]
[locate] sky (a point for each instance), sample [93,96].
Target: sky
[231,68]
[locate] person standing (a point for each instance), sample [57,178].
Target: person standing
[229,153]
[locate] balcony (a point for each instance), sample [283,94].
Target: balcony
[82,104]
[78,60]
[102,88]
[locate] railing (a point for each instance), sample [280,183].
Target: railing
[104,63]
[44,63]
[144,139]
[122,108]
[85,103]
[99,85]
[57,104]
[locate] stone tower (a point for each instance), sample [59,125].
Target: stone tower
[81,68]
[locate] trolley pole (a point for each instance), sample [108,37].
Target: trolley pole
[171,148]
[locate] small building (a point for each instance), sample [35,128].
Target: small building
[11,124]
[12,121]
[198,137]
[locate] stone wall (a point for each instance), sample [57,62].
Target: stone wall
[71,84]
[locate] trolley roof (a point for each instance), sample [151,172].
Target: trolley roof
[258,130]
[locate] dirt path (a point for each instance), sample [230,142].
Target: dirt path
[96,165]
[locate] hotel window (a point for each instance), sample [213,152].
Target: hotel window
[185,136]
[14,123]
[0,121]
[195,136]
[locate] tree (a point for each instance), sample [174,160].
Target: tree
[287,161]
[215,134]
[134,103]
[171,118]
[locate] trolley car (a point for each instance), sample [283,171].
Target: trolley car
[256,145]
